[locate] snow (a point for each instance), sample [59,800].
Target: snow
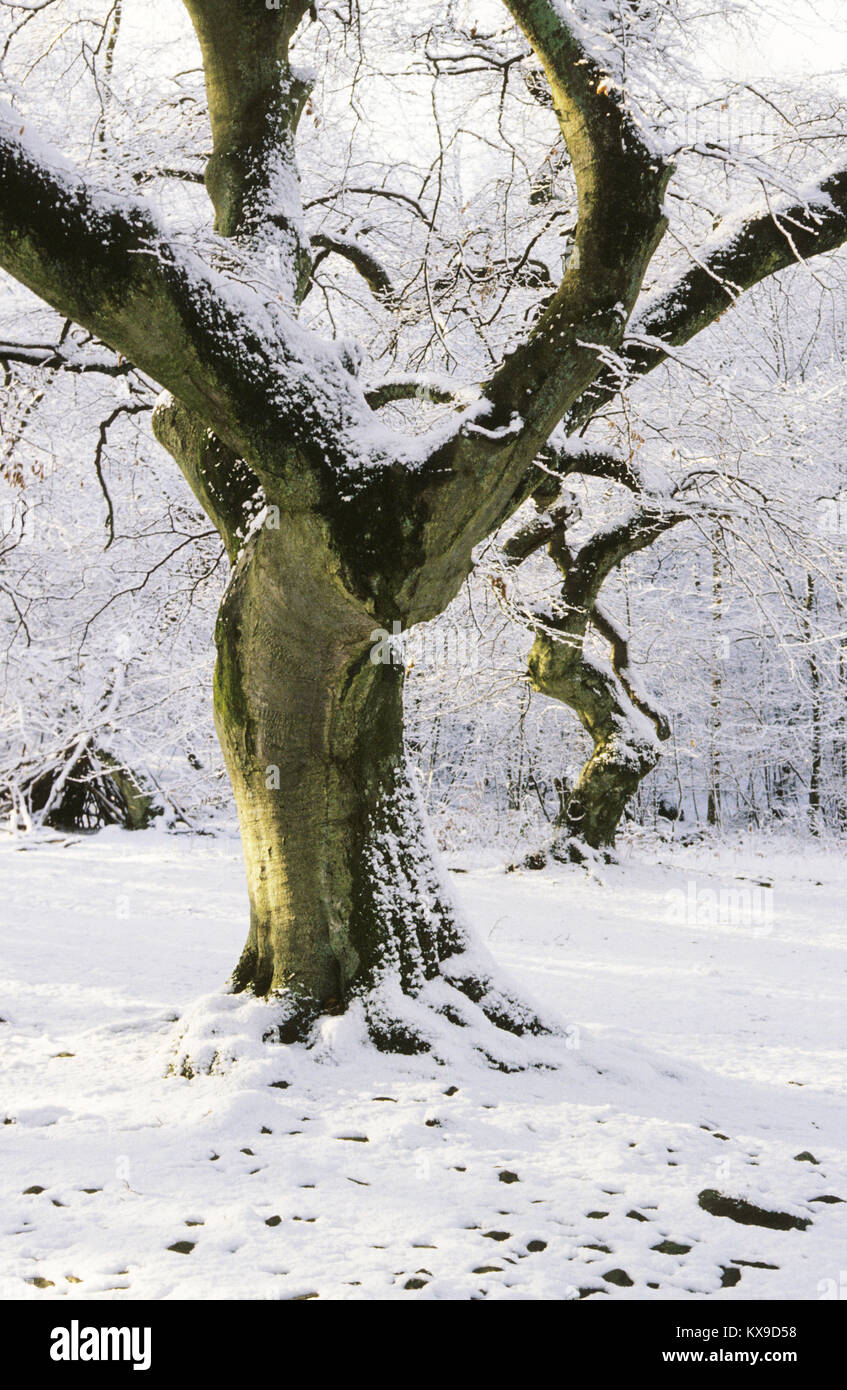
[304,377]
[701,1051]
[813,198]
[508,431]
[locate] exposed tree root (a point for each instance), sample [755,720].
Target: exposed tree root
[565,849]
[464,1010]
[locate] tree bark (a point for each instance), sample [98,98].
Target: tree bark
[626,743]
[626,727]
[714,811]
[342,886]
[347,899]
[816,713]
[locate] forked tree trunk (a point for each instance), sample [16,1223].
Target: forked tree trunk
[346,897]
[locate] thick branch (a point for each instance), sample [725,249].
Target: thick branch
[584,571]
[372,271]
[255,101]
[558,463]
[735,259]
[264,384]
[226,488]
[620,187]
[478,480]
[414,386]
[105,264]
[541,530]
[595,560]
[618,641]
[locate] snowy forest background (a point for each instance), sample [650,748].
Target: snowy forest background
[111,576]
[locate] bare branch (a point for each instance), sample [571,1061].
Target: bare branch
[102,440]
[372,271]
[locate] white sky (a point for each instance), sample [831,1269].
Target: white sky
[797,37]
[791,36]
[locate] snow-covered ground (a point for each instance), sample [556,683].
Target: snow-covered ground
[703,995]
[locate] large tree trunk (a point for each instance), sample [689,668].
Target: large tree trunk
[346,896]
[312,733]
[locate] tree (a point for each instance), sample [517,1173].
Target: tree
[335,523]
[751,493]
[625,725]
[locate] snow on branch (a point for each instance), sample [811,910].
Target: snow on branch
[745,249]
[105,262]
[607,548]
[618,639]
[421,386]
[54,357]
[563,459]
[621,185]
